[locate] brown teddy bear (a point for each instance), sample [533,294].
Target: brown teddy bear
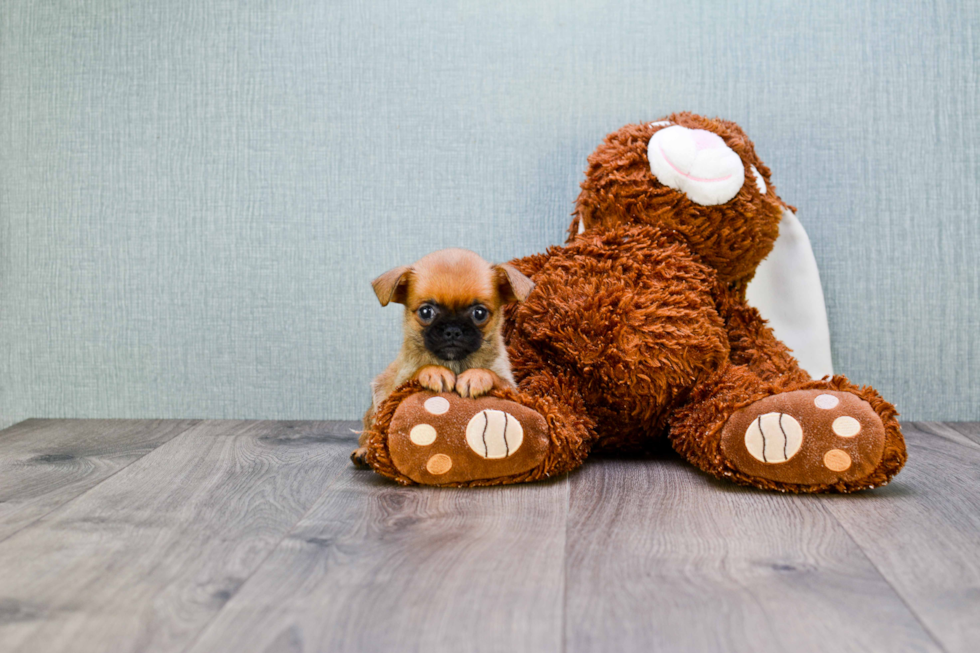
[638,329]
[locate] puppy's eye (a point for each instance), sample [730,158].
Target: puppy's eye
[479,314]
[426,314]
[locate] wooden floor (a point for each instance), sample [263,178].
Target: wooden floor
[259,536]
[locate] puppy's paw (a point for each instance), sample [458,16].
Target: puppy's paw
[359,457]
[475,382]
[436,378]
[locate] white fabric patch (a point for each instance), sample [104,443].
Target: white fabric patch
[846,427]
[760,183]
[660,123]
[581,226]
[786,290]
[436,405]
[774,437]
[826,402]
[697,163]
[494,434]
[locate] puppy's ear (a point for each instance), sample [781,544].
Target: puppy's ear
[512,285]
[392,286]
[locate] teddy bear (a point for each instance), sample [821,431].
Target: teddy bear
[638,332]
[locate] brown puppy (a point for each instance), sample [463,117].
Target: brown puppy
[453,317]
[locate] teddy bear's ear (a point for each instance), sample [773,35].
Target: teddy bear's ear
[392,286]
[512,285]
[786,290]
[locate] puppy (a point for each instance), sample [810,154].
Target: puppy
[452,326]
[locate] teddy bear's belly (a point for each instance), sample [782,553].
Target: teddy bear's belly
[632,421]
[629,316]
[618,432]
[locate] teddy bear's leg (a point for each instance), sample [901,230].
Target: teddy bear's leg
[503,437]
[752,343]
[790,435]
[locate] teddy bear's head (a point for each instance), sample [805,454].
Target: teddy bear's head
[697,176]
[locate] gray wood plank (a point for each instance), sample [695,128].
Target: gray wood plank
[957,433]
[46,463]
[969,429]
[923,531]
[378,567]
[144,560]
[663,558]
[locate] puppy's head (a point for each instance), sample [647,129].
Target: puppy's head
[453,301]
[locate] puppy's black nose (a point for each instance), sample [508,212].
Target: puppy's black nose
[451,332]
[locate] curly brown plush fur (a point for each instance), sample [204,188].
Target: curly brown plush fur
[620,189]
[638,329]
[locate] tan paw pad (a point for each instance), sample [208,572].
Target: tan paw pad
[836,460]
[439,464]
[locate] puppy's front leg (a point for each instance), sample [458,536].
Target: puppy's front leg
[478,381]
[436,378]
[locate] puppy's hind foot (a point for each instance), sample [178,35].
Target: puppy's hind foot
[359,457]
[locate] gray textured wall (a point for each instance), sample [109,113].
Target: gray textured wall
[194,195]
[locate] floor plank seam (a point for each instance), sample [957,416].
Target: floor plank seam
[86,491]
[955,427]
[562,640]
[969,429]
[898,593]
[193,642]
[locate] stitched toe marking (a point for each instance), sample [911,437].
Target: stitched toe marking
[774,437]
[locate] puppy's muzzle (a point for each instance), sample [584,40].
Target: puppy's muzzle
[453,339]
[451,333]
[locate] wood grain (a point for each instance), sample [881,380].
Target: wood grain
[377,567]
[46,463]
[144,560]
[969,429]
[922,531]
[665,558]
[259,536]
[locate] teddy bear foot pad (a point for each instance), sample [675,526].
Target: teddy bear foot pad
[440,439]
[808,437]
